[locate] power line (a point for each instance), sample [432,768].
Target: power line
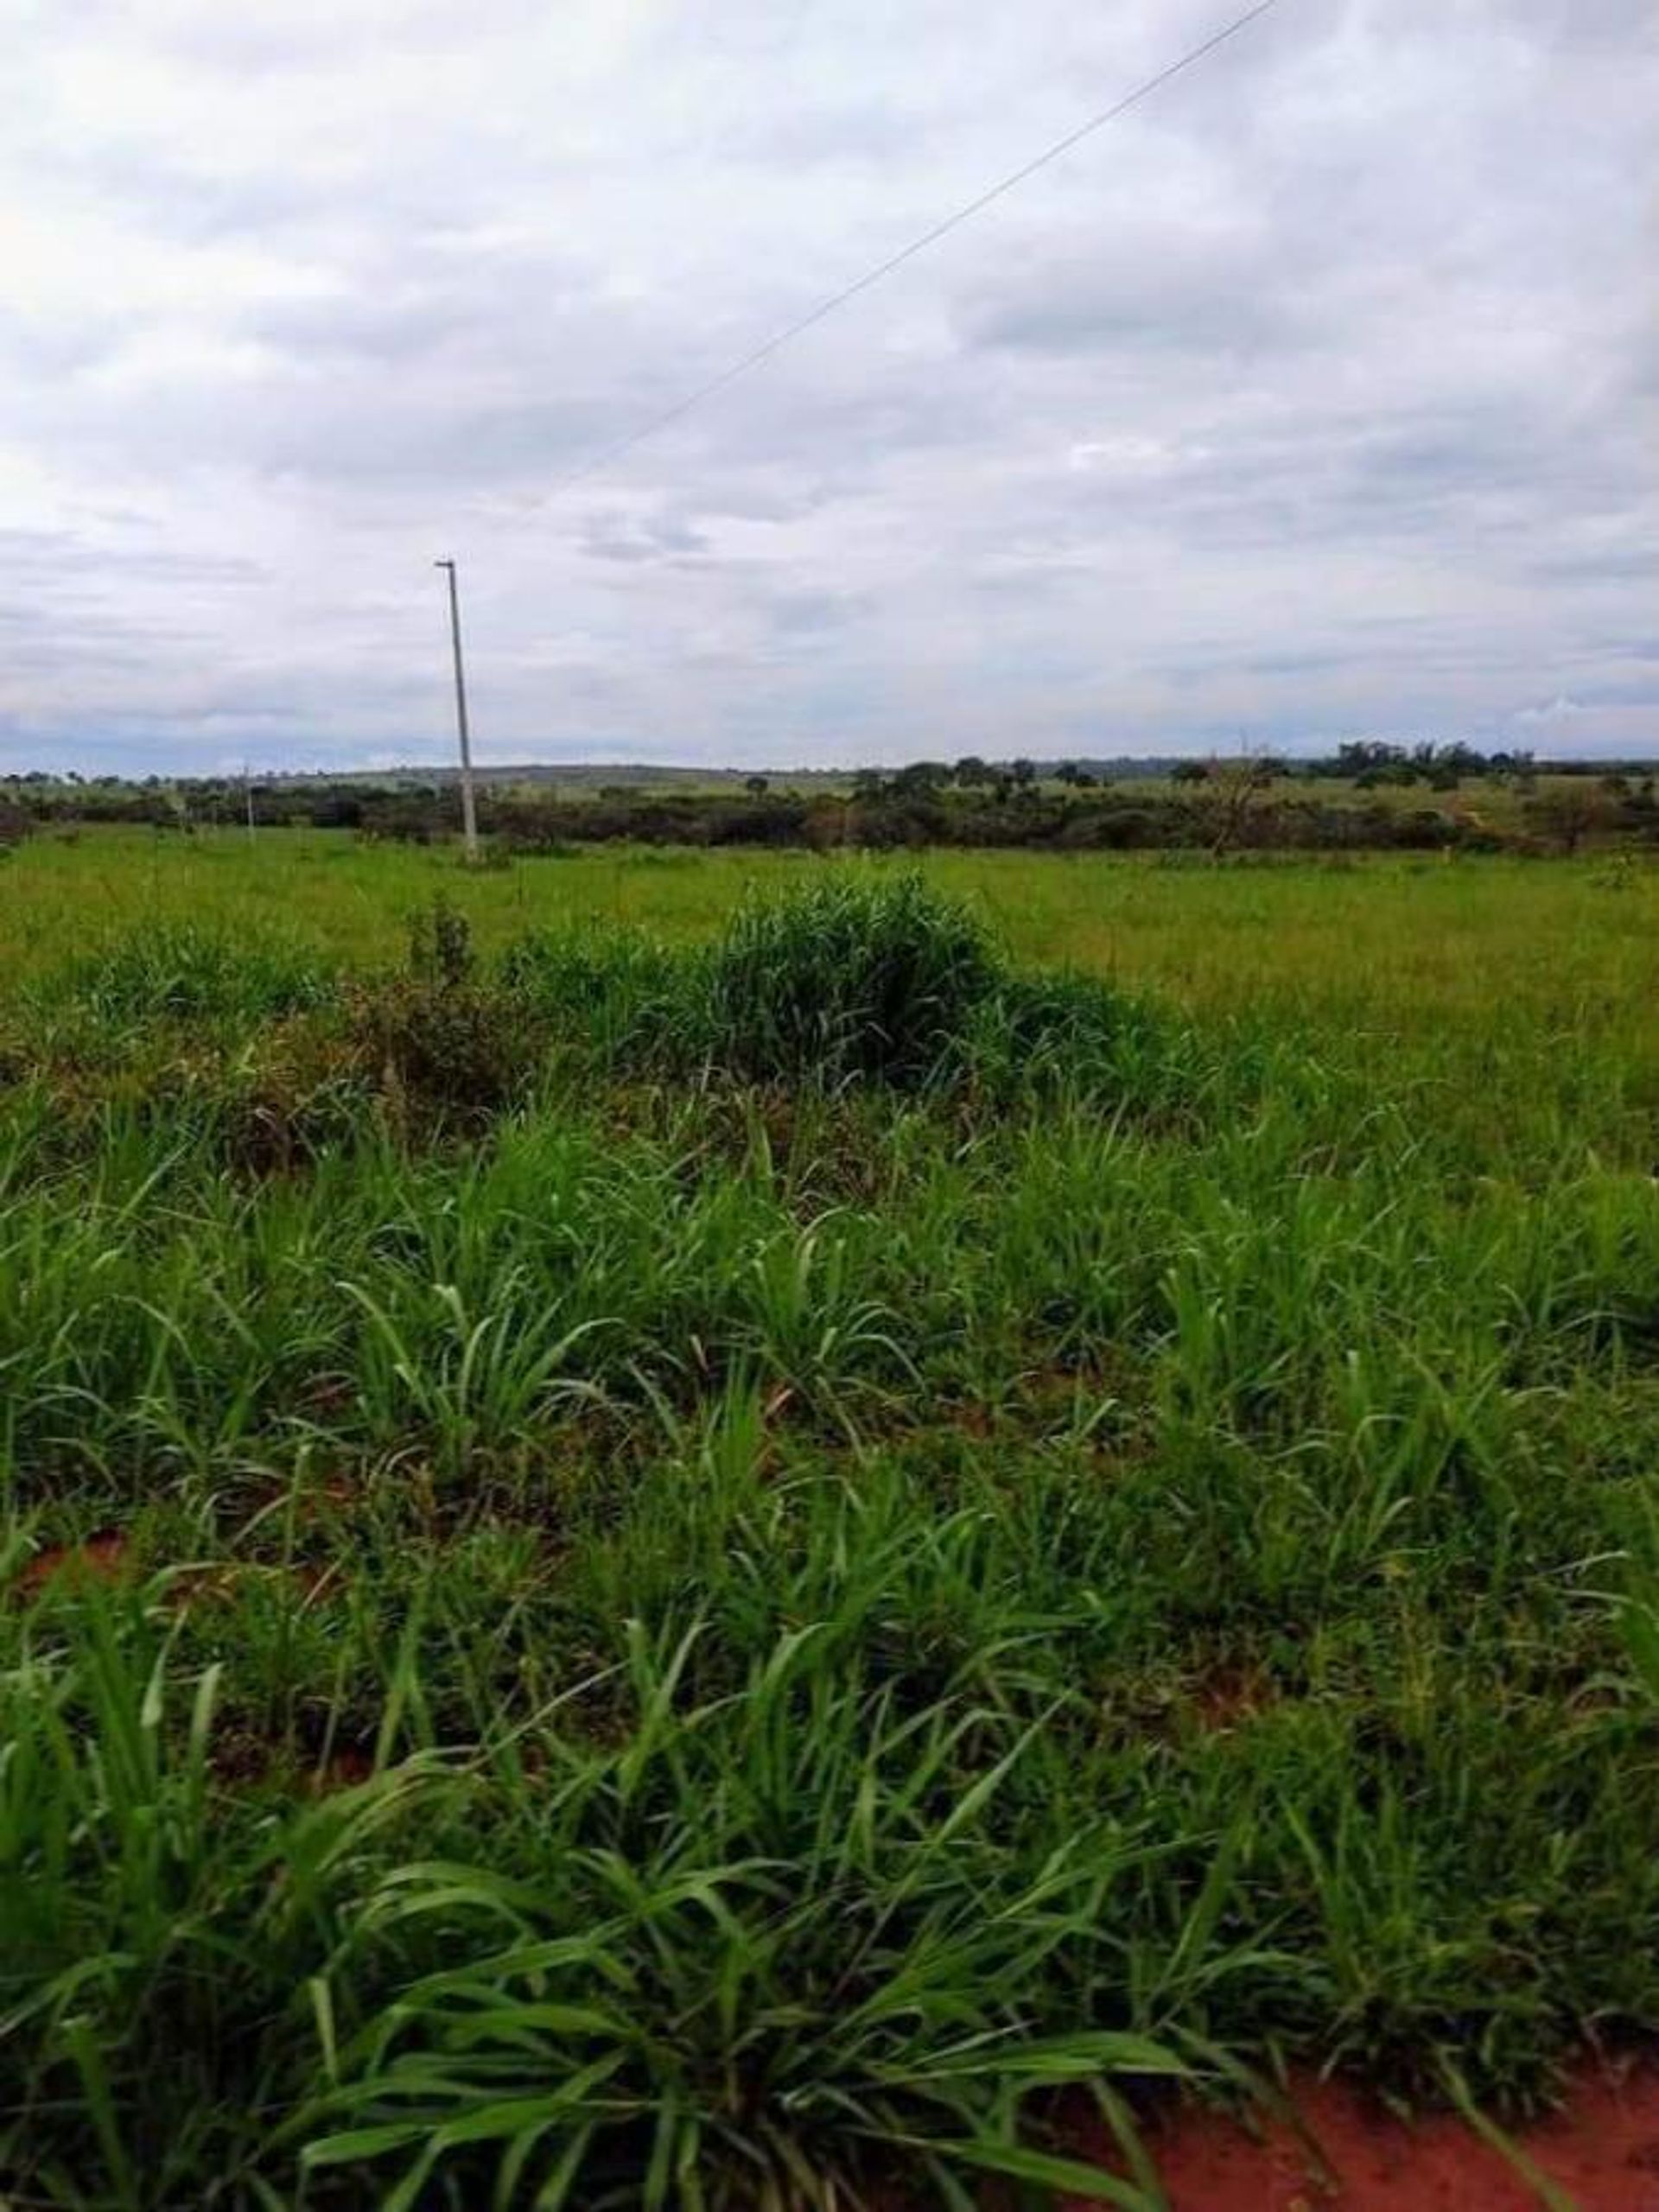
[779,339]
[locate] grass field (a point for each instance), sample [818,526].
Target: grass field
[660,1559]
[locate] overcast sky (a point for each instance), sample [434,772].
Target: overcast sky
[1318,396]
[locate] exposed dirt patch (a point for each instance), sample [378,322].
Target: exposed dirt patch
[246,1758]
[1228,1696]
[105,1556]
[346,1767]
[1600,2153]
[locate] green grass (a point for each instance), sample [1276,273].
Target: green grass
[738,1553]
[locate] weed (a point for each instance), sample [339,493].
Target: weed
[447,1047]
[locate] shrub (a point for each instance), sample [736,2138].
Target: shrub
[301,1087]
[447,1045]
[767,822]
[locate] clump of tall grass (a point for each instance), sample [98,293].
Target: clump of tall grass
[859,977]
[189,971]
[1060,1036]
[766,1947]
[852,978]
[152,1927]
[863,978]
[617,994]
[775,1943]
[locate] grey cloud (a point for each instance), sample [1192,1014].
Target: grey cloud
[609,536]
[194,205]
[55,557]
[1316,395]
[814,613]
[1175,293]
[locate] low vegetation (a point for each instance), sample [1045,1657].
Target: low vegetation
[750,1563]
[1368,797]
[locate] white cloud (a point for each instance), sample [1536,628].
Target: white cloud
[1321,393]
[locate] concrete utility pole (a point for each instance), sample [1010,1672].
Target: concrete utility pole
[468,811]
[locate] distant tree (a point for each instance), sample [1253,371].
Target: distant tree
[1569,812]
[756,786]
[1233,791]
[1190,772]
[1023,773]
[1364,758]
[971,770]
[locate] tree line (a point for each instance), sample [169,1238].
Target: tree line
[1236,803]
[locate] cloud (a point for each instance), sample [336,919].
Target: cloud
[612,537]
[1320,393]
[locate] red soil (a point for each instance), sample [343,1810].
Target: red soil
[1601,2153]
[102,1558]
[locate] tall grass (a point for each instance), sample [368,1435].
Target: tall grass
[189,971]
[851,978]
[844,1545]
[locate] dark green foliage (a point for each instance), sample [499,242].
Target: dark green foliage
[1070,1035]
[444,1041]
[855,978]
[851,978]
[616,993]
[1019,803]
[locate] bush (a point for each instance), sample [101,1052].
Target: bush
[768,822]
[301,1087]
[448,1047]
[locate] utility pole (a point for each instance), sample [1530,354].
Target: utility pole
[468,811]
[247,793]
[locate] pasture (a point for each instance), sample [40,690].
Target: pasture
[718,1530]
